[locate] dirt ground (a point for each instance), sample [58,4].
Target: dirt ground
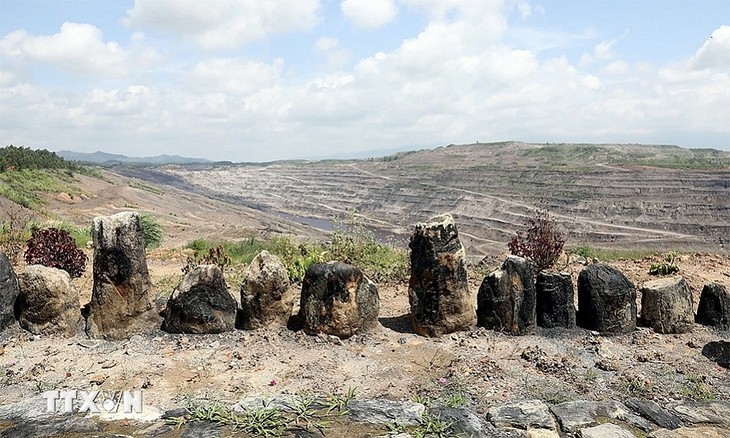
[480,365]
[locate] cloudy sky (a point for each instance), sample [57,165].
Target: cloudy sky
[254,80]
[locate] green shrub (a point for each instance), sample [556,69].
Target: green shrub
[56,249]
[667,267]
[151,231]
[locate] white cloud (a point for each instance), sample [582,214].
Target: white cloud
[369,13]
[230,75]
[715,52]
[77,48]
[217,25]
[336,56]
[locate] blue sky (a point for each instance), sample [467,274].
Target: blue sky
[255,81]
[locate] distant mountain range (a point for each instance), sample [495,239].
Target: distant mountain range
[105,158]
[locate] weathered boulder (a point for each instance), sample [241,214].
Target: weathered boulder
[525,415]
[719,352]
[201,303]
[8,292]
[666,305]
[506,298]
[381,411]
[48,303]
[265,294]
[122,300]
[438,290]
[555,300]
[606,300]
[338,299]
[714,308]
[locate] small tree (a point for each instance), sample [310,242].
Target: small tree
[541,243]
[56,249]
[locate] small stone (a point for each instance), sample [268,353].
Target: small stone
[719,352]
[525,415]
[380,411]
[98,379]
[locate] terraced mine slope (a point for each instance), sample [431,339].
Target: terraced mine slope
[614,196]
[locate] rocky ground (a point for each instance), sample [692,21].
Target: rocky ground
[478,371]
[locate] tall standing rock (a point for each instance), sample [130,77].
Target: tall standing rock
[438,290]
[714,308]
[48,303]
[338,299]
[265,294]
[555,300]
[122,300]
[506,298]
[606,300]
[666,305]
[201,303]
[8,292]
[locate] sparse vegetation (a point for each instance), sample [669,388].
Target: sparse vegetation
[56,249]
[611,255]
[378,261]
[667,267]
[695,388]
[541,243]
[152,232]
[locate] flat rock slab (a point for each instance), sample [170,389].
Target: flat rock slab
[576,415]
[464,422]
[692,432]
[529,414]
[606,430]
[381,411]
[703,413]
[655,413]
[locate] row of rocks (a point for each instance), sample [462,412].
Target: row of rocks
[338,299]
[524,418]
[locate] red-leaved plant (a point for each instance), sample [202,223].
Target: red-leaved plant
[541,243]
[56,249]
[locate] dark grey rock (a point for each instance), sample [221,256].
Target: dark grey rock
[692,432]
[122,300]
[464,422]
[576,415]
[555,300]
[717,412]
[52,427]
[380,411]
[201,303]
[655,413]
[606,430]
[719,352]
[200,430]
[265,294]
[528,414]
[714,308]
[606,300]
[338,299]
[438,290]
[506,299]
[48,303]
[666,305]
[9,292]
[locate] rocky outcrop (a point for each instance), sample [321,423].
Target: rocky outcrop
[8,293]
[122,300]
[714,308]
[438,290]
[555,300]
[606,300]
[48,303]
[338,299]
[265,294]
[201,303]
[666,305]
[506,298]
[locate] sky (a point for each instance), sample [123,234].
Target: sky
[253,80]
